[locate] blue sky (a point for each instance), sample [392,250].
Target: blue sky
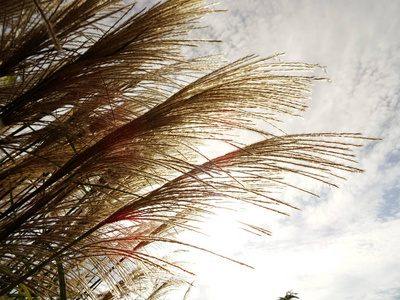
[346,244]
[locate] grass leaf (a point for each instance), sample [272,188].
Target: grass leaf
[61,280]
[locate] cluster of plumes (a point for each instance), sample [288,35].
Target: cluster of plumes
[104,124]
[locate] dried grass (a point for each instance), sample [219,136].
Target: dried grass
[99,125]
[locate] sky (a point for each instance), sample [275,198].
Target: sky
[344,245]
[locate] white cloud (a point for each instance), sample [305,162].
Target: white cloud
[344,245]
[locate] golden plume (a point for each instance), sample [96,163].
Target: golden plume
[105,130]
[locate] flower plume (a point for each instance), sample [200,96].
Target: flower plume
[106,143]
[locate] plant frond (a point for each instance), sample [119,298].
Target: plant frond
[106,144]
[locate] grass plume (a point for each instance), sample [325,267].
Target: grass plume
[104,121]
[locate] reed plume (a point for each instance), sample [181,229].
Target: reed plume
[105,128]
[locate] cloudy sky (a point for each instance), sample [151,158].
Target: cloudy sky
[346,244]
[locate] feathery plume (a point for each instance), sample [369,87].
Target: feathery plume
[106,130]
